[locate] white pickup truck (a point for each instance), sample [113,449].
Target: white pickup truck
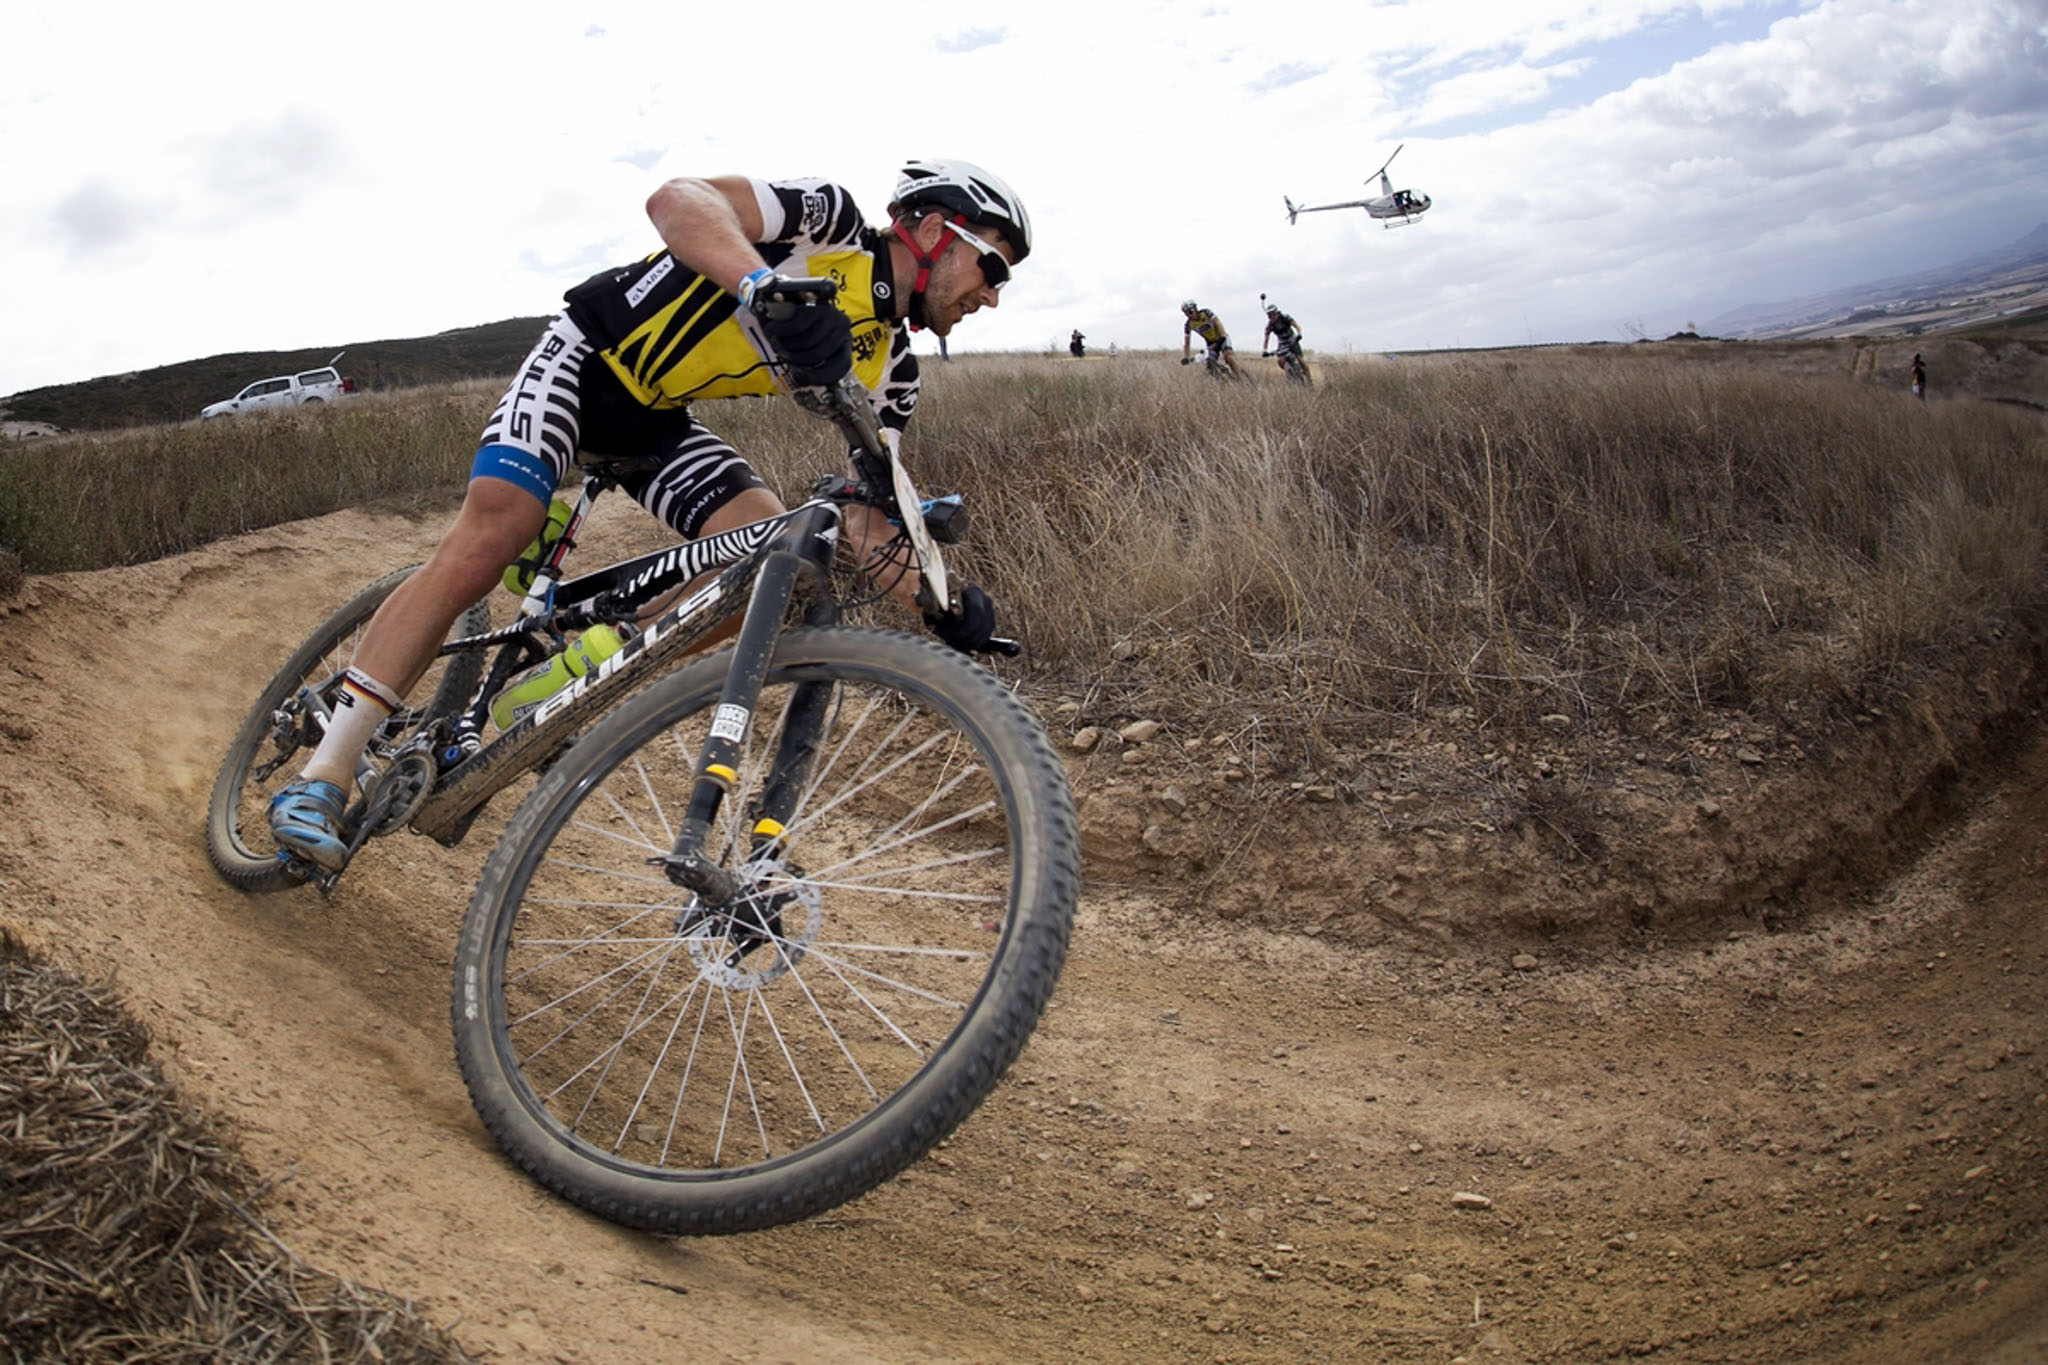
[285,391]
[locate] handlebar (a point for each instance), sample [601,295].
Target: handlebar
[844,403]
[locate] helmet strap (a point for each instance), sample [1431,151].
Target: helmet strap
[925,261]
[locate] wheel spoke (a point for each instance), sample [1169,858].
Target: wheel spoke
[666,1035]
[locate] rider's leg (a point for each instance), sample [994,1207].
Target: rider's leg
[511,481]
[703,488]
[706,487]
[873,541]
[497,521]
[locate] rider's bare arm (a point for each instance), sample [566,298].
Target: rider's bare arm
[710,226]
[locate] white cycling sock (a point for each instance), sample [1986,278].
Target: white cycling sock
[361,704]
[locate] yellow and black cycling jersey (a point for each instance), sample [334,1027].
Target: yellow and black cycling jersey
[1207,326]
[670,336]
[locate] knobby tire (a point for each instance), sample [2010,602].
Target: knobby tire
[666,1066]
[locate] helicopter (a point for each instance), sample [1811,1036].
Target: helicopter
[1397,207]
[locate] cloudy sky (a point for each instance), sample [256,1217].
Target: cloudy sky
[185,180]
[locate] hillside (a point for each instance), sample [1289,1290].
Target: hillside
[1985,290]
[173,393]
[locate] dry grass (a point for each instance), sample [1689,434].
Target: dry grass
[1597,532]
[1589,532]
[127,497]
[127,1229]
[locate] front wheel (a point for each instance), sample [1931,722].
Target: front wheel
[692,1068]
[282,729]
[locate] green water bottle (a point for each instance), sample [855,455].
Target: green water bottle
[518,575]
[536,685]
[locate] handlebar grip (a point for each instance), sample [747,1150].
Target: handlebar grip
[783,295]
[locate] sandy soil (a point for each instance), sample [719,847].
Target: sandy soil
[1308,1104]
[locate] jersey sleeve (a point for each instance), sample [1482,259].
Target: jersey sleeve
[894,399]
[807,215]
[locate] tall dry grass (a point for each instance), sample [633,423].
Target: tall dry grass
[1600,531]
[1607,530]
[130,496]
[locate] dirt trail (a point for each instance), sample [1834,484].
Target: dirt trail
[1821,1143]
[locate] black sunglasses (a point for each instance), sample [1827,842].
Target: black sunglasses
[994,268]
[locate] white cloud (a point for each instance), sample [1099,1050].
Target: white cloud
[216,177]
[967,40]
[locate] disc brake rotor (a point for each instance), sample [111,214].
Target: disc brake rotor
[746,945]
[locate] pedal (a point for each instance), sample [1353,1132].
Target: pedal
[301,870]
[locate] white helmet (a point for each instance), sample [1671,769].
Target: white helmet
[1187,305]
[966,189]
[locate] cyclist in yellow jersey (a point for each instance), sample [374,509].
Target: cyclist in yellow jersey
[614,374]
[1200,322]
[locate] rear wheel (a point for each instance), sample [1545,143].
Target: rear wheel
[694,1068]
[282,729]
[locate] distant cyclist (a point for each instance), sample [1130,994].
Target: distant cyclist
[1077,344]
[1279,325]
[1285,335]
[1206,325]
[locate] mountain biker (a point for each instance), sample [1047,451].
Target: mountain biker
[1280,325]
[1200,322]
[615,371]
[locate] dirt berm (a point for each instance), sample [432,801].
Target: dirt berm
[1734,1051]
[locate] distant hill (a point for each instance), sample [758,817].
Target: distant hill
[1966,293]
[173,393]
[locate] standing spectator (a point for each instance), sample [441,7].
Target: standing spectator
[1919,377]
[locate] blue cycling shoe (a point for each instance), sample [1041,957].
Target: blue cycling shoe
[306,821]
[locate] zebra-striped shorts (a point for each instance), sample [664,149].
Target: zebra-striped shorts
[556,406]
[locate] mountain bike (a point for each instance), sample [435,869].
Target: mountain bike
[1291,362]
[1214,364]
[770,924]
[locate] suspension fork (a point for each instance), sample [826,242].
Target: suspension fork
[802,551]
[803,726]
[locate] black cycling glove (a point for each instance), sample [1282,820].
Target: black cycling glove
[971,628]
[815,339]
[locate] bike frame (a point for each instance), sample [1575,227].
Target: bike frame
[466,778]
